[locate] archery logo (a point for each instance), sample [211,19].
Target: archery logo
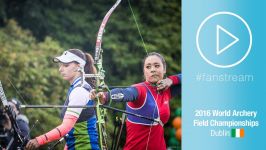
[117,96]
[224,39]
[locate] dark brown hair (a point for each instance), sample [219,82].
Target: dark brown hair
[155,54]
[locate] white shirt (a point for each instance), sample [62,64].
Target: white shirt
[79,96]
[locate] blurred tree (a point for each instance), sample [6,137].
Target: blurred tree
[28,74]
[75,24]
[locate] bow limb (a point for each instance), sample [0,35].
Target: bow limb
[98,50]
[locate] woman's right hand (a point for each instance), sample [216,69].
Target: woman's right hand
[164,84]
[32,145]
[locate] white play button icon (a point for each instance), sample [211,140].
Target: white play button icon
[233,39]
[219,43]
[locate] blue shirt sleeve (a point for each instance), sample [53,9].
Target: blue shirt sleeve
[123,94]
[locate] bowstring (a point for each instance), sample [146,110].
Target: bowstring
[137,25]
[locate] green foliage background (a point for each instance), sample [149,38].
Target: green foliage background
[33,31]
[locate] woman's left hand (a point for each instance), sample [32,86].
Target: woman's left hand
[164,84]
[99,95]
[32,144]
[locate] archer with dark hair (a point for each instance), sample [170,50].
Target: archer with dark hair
[150,99]
[7,136]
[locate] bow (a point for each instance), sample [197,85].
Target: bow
[12,116]
[100,84]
